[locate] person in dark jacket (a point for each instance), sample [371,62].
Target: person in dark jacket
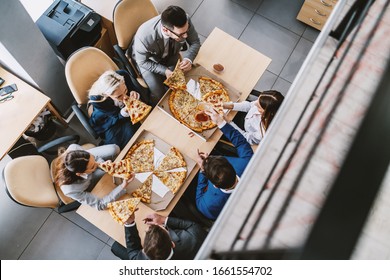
[110,118]
[166,238]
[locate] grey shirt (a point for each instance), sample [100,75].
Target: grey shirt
[81,189]
[148,47]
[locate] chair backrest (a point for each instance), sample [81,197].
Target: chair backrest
[83,68]
[28,182]
[65,199]
[128,16]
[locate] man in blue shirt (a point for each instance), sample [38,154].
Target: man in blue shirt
[219,174]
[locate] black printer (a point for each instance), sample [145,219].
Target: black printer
[69,25]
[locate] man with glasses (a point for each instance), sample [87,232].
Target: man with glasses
[166,238]
[156,46]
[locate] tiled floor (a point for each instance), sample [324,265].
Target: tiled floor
[268,26]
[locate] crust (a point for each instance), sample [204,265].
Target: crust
[136,146]
[176,73]
[122,209]
[144,192]
[172,156]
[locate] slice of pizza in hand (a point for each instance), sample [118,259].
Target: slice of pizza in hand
[173,159]
[145,191]
[137,109]
[121,210]
[216,99]
[177,79]
[121,169]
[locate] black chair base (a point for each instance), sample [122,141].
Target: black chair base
[63,208]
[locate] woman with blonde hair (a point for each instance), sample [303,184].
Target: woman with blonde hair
[110,118]
[260,114]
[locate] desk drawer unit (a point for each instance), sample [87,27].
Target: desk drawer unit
[316,12]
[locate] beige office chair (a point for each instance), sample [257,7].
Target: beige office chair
[82,69]
[29,181]
[128,16]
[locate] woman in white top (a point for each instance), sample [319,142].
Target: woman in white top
[259,114]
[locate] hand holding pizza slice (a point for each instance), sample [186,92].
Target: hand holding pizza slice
[122,210]
[177,79]
[120,169]
[136,109]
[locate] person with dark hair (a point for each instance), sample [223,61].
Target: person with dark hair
[166,238]
[259,114]
[109,117]
[219,175]
[156,48]
[77,173]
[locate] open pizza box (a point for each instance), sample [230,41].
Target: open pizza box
[161,195]
[194,74]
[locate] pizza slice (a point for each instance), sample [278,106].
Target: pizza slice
[141,156]
[137,109]
[121,210]
[191,122]
[173,180]
[177,79]
[145,191]
[207,85]
[181,103]
[173,159]
[121,169]
[208,125]
[216,99]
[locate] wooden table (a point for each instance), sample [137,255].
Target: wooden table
[17,114]
[243,68]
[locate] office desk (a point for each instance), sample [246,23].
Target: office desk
[17,114]
[244,67]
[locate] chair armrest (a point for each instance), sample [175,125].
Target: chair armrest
[124,60]
[59,141]
[144,92]
[84,121]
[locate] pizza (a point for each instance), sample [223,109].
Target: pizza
[121,169]
[216,99]
[174,159]
[121,210]
[145,191]
[185,107]
[208,85]
[141,156]
[177,79]
[137,109]
[182,103]
[173,180]
[191,122]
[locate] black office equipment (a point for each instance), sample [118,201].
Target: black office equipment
[69,25]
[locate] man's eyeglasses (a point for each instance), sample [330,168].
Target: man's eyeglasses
[181,34]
